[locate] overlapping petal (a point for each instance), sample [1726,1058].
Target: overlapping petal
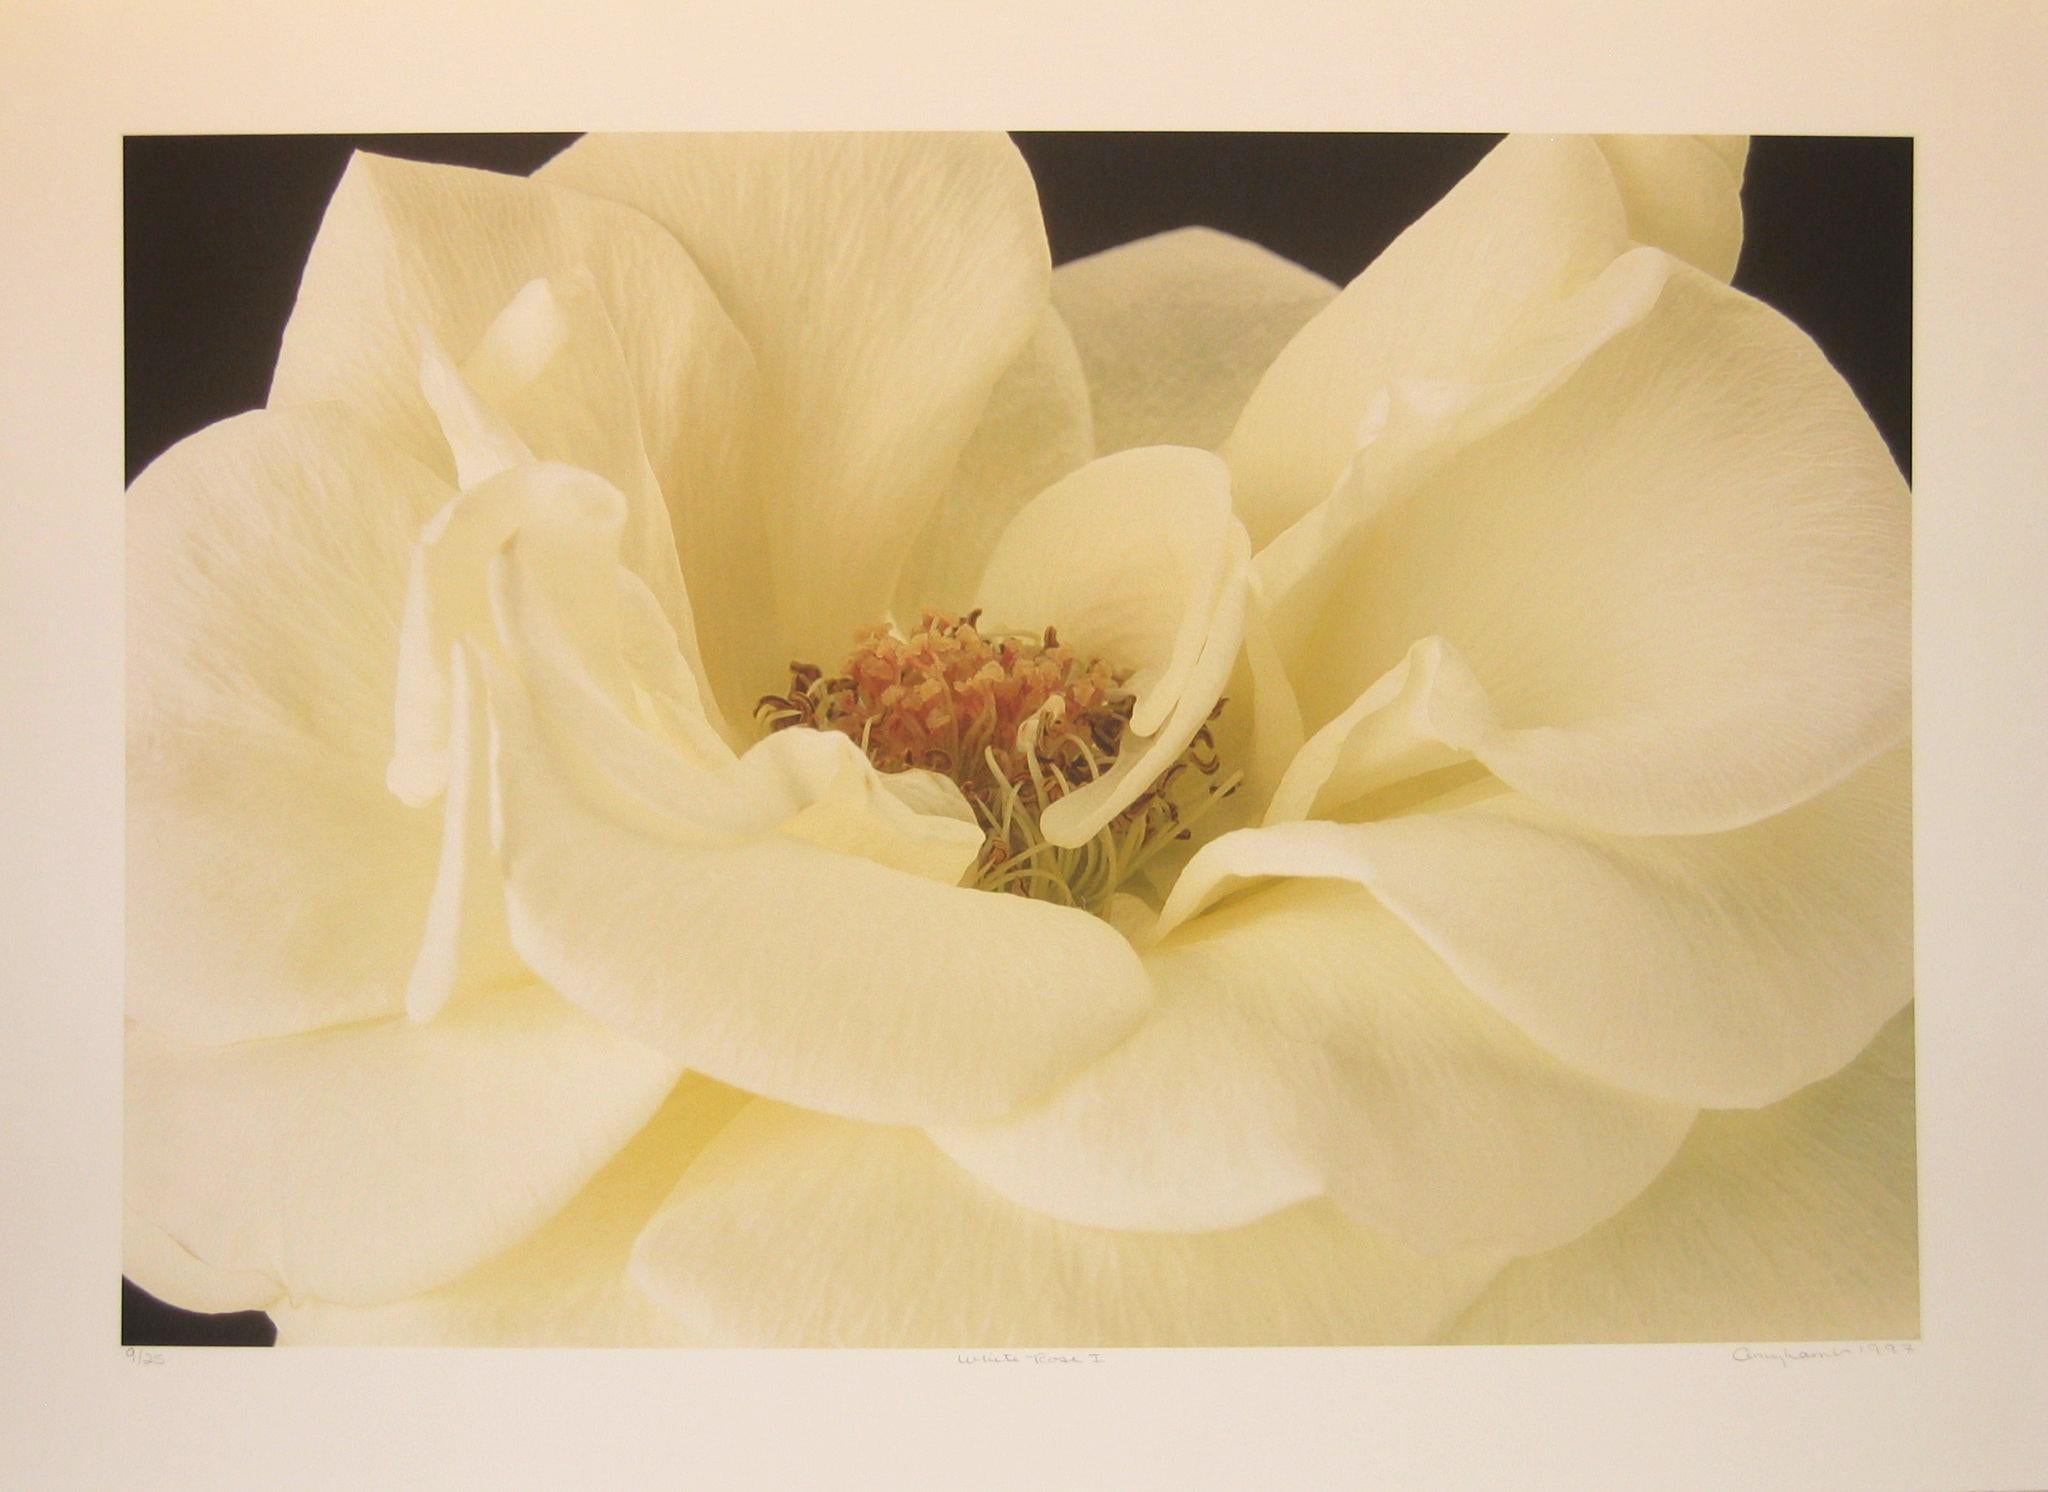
[584,325]
[1722,970]
[1798,1222]
[818,974]
[565,1285]
[549,382]
[793,1229]
[1307,1045]
[1684,193]
[1035,429]
[273,884]
[1424,722]
[529,561]
[466,944]
[278,888]
[1413,426]
[412,255]
[169,1271]
[376,1160]
[884,283]
[1138,561]
[1679,587]
[1466,304]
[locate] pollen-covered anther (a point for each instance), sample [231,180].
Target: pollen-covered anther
[1018,722]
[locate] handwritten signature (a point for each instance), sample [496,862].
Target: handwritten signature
[1786,1356]
[1037,1359]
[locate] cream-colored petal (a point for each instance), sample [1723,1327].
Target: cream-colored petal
[466,945]
[377,1160]
[1680,583]
[169,1271]
[1306,1044]
[804,972]
[563,605]
[793,1229]
[1414,426]
[266,566]
[1175,330]
[1272,727]
[268,889]
[272,884]
[1124,557]
[571,521]
[1722,970]
[552,374]
[930,832]
[521,574]
[1423,716]
[1798,1222]
[566,1284]
[884,283]
[1684,194]
[1083,813]
[1035,430]
[600,734]
[414,258]
[581,702]
[480,442]
[1256,732]
[1136,560]
[1468,296]
[410,254]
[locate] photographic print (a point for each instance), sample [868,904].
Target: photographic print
[984,742]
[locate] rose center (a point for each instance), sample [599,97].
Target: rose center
[1018,722]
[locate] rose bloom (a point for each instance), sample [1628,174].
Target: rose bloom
[732,759]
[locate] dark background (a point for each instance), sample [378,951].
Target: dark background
[216,230]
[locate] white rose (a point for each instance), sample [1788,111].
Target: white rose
[1518,638]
